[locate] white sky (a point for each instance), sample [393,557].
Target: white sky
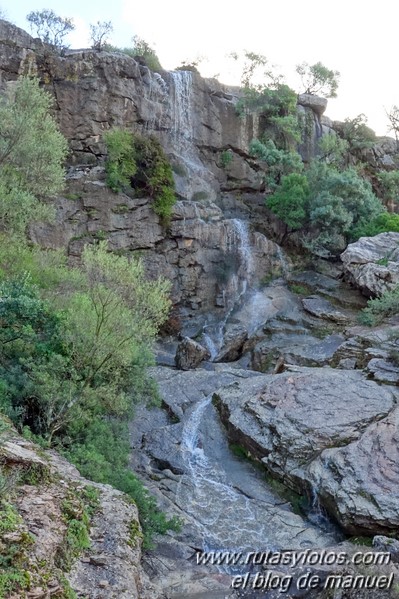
[357,38]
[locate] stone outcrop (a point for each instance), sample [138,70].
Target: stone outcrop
[190,354]
[203,254]
[42,484]
[372,263]
[325,432]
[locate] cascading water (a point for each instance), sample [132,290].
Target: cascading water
[238,242]
[233,508]
[182,111]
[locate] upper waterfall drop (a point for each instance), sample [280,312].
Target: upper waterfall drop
[182,127]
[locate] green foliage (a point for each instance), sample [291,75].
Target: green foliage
[277,109]
[32,151]
[333,150]
[51,28]
[379,308]
[99,34]
[120,165]
[279,163]
[225,158]
[290,201]
[389,183]
[154,176]
[382,223]
[356,132]
[102,454]
[299,289]
[318,79]
[143,50]
[141,163]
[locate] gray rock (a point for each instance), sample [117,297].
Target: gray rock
[190,354]
[383,371]
[381,543]
[307,425]
[233,342]
[372,263]
[322,308]
[316,103]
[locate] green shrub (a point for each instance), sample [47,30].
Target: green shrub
[225,158]
[154,175]
[120,165]
[382,223]
[379,308]
[143,50]
[140,162]
[289,202]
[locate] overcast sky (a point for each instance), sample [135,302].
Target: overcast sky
[357,38]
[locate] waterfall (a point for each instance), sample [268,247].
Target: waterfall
[210,489]
[238,240]
[285,269]
[182,127]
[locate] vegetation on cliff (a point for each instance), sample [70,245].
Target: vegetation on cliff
[74,341]
[136,163]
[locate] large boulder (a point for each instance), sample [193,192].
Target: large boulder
[316,103]
[372,263]
[190,354]
[325,432]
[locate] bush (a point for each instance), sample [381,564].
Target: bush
[143,50]
[379,308]
[140,162]
[384,222]
[32,151]
[290,201]
[120,165]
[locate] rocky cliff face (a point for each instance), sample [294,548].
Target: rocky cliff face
[203,253]
[42,505]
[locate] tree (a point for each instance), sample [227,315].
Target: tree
[142,49]
[50,27]
[393,118]
[32,151]
[99,34]
[318,79]
[290,201]
[356,132]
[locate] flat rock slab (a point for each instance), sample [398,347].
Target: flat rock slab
[294,420]
[322,308]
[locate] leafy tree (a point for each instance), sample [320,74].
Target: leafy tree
[99,33]
[290,201]
[318,79]
[333,150]
[32,151]
[278,162]
[142,49]
[50,27]
[356,132]
[393,118]
[389,182]
[115,319]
